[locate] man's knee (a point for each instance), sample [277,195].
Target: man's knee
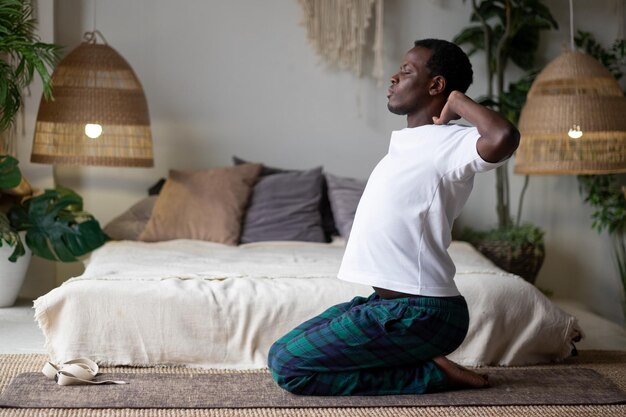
[283,367]
[273,361]
[278,361]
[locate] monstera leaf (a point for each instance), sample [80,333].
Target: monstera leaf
[10,175]
[10,237]
[56,226]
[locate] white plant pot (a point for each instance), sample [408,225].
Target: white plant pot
[12,274]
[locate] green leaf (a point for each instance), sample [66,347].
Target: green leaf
[512,101]
[473,36]
[20,42]
[10,175]
[10,237]
[523,47]
[56,226]
[604,194]
[488,9]
[612,59]
[541,11]
[88,230]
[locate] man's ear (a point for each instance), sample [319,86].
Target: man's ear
[437,85]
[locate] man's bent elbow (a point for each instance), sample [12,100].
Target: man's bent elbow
[511,139]
[500,144]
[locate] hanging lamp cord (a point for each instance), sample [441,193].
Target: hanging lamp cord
[92,37]
[571,24]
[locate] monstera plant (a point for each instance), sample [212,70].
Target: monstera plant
[55,225]
[51,224]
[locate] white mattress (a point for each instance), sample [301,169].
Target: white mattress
[205,304]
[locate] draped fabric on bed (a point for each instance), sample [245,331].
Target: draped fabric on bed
[208,304]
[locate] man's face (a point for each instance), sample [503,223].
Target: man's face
[409,87]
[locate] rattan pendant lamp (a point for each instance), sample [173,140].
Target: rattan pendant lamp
[574,119]
[99,115]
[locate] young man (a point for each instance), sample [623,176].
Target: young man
[395,341]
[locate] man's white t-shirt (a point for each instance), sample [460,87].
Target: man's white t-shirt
[403,224]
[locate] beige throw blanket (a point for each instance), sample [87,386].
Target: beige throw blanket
[211,305]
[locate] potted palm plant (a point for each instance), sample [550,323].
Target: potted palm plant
[51,224]
[508,30]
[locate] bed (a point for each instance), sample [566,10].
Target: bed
[171,291]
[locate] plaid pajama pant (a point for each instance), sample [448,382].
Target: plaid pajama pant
[371,346]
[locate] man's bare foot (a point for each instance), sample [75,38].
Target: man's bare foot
[460,377]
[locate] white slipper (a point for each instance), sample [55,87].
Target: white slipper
[83,366]
[75,372]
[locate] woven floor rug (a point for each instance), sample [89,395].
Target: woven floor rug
[611,365]
[257,390]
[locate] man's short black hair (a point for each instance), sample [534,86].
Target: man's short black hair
[449,61]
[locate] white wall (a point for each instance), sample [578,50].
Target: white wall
[238,77]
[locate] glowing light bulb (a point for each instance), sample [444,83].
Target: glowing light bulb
[93,131]
[575,132]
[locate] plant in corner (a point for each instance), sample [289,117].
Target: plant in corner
[56,226]
[508,30]
[605,193]
[54,223]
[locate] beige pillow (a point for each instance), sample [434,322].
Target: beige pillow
[202,205]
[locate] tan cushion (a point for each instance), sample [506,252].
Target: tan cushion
[202,205]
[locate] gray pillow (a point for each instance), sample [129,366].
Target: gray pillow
[265,170]
[344,195]
[328,223]
[130,224]
[285,206]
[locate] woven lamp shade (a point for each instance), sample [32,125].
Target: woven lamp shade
[573,91]
[94,85]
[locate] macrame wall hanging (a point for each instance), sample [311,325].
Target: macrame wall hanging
[338,31]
